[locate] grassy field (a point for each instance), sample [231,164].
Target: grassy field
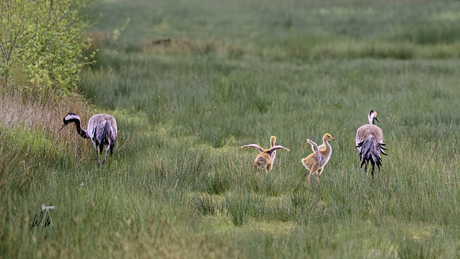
[234,73]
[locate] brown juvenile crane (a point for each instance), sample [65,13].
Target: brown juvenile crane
[316,161]
[266,158]
[102,130]
[369,142]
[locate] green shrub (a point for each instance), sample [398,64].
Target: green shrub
[42,45]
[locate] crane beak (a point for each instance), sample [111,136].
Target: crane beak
[377,119]
[63,125]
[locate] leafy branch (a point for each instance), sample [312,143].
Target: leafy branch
[42,40]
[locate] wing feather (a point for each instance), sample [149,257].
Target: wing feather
[277,147]
[254,146]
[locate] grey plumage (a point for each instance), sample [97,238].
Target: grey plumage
[102,130]
[369,142]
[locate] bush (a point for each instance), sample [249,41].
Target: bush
[41,45]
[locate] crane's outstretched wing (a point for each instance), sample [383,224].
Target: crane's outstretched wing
[277,147]
[254,146]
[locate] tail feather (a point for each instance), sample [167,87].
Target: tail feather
[369,151]
[104,136]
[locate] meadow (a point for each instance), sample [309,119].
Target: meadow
[235,73]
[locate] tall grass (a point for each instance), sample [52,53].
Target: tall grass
[179,185]
[29,129]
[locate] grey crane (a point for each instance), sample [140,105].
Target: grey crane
[369,142]
[102,130]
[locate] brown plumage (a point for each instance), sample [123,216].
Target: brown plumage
[316,161]
[102,130]
[369,142]
[266,158]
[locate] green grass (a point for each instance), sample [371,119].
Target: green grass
[178,184]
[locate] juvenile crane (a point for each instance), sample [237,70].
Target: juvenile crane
[369,142]
[266,158]
[316,161]
[102,130]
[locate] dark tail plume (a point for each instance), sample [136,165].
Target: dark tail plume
[370,150]
[104,136]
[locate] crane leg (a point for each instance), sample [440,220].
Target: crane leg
[105,158]
[98,161]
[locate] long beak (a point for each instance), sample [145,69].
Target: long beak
[63,125]
[332,138]
[377,119]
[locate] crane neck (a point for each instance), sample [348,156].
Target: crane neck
[371,118]
[82,132]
